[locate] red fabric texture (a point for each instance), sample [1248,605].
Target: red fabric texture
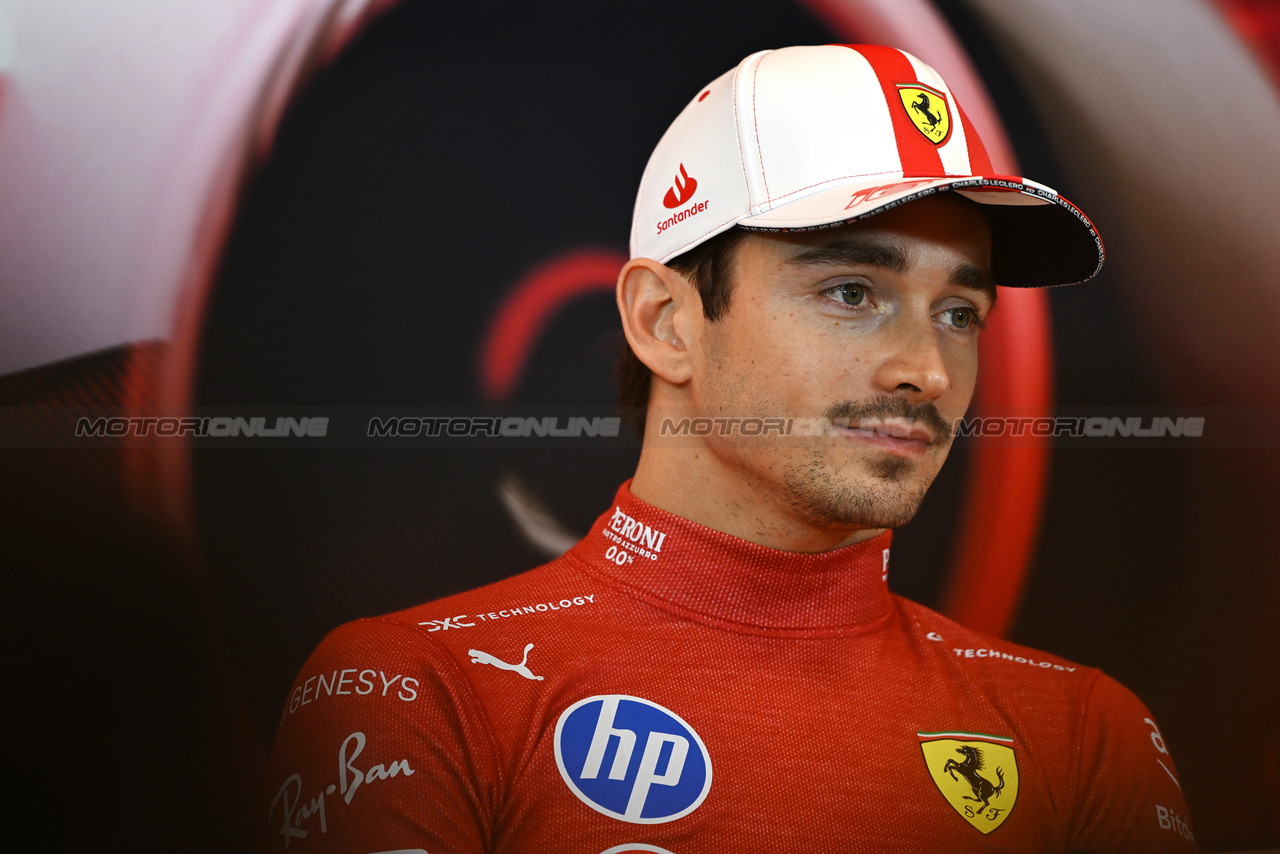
[811,686]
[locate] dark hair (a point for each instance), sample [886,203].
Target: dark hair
[709,266]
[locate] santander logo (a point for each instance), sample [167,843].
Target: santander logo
[681,191]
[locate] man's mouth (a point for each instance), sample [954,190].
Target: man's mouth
[909,438]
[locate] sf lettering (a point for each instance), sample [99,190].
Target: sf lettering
[990,813]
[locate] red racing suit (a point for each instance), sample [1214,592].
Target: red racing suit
[663,687]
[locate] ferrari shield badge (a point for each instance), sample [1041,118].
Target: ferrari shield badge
[927,109]
[976,773]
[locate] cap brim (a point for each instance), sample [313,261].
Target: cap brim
[1038,238]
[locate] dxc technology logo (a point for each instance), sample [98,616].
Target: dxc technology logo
[632,759]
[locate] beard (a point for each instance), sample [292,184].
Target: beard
[888,499]
[890,492]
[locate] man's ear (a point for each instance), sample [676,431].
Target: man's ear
[657,306]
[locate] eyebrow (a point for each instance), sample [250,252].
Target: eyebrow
[974,278]
[888,256]
[871,254]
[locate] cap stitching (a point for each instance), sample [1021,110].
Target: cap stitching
[737,130]
[697,240]
[755,120]
[843,178]
[910,197]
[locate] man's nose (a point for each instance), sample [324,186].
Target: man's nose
[914,365]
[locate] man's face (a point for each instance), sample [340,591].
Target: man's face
[873,326]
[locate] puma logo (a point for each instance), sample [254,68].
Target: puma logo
[480,657]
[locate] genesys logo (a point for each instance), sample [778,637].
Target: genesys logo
[352,681]
[681,191]
[632,759]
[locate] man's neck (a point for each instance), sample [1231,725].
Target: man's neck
[690,483]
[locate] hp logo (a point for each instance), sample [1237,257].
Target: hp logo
[632,759]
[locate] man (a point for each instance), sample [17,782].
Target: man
[719,665]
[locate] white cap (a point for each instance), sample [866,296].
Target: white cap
[814,137]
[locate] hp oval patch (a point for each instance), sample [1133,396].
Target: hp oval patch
[631,759]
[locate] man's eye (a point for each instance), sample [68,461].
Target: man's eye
[962,317]
[849,293]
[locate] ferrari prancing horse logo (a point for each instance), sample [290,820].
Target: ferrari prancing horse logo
[977,774]
[927,109]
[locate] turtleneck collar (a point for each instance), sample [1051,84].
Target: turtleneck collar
[716,578]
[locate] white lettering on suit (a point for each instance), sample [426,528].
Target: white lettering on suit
[294,813]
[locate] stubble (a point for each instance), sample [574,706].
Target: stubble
[889,489]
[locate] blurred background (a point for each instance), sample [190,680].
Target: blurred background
[346,208]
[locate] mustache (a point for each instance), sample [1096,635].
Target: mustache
[882,408]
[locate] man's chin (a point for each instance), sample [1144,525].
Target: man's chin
[892,469]
[887,496]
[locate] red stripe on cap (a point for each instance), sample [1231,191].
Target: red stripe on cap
[919,156]
[979,162]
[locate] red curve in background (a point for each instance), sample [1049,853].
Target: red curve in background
[525,312]
[1004,496]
